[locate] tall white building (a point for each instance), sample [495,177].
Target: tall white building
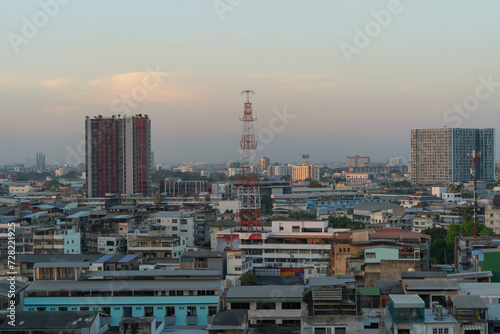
[177,224]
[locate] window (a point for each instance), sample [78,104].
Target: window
[440,331]
[295,228]
[84,308]
[291,306]
[191,311]
[240,306]
[212,310]
[127,311]
[340,330]
[174,228]
[370,255]
[63,308]
[40,308]
[170,311]
[148,311]
[266,306]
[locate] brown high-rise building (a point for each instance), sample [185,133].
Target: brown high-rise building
[357,161]
[439,156]
[118,156]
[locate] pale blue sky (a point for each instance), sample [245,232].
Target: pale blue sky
[426,59]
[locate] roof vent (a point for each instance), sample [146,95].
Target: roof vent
[434,305]
[439,313]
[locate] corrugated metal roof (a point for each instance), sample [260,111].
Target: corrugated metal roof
[123,285]
[468,302]
[479,289]
[268,292]
[432,284]
[104,258]
[330,280]
[127,258]
[369,291]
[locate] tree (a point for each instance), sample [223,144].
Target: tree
[440,251]
[344,222]
[267,204]
[248,278]
[315,184]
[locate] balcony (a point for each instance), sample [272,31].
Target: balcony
[192,320]
[170,320]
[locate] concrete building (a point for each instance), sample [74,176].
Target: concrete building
[331,305]
[492,217]
[177,223]
[305,171]
[439,156]
[52,240]
[112,245]
[238,262]
[118,155]
[357,161]
[181,302]
[376,213]
[156,247]
[271,305]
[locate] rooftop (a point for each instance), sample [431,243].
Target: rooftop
[228,319]
[331,280]
[432,284]
[407,301]
[153,273]
[479,289]
[371,206]
[51,320]
[5,286]
[390,287]
[468,302]
[265,292]
[423,274]
[122,285]
[201,254]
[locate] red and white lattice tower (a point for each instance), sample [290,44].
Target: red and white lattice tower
[249,214]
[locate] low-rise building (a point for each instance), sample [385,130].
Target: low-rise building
[271,305]
[331,305]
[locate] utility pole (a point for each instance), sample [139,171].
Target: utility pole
[475,160]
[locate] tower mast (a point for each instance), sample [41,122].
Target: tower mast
[249,214]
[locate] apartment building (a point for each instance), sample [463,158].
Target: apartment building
[439,156]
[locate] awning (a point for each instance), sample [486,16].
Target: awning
[473,327]
[403,326]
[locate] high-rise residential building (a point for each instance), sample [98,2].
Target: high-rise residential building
[40,162]
[439,156]
[305,172]
[118,155]
[264,163]
[357,161]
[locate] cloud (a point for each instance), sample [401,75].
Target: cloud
[56,83]
[151,86]
[63,110]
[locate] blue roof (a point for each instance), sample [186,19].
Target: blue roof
[103,259]
[127,258]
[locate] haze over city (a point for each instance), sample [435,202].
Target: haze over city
[426,57]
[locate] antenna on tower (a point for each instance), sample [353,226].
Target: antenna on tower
[248,92]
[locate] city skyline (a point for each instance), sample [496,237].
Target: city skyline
[192,62]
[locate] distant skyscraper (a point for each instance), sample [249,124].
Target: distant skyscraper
[357,161]
[118,156]
[439,156]
[264,163]
[40,162]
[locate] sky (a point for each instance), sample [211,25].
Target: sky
[332,78]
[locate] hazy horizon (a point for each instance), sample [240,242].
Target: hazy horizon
[420,61]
